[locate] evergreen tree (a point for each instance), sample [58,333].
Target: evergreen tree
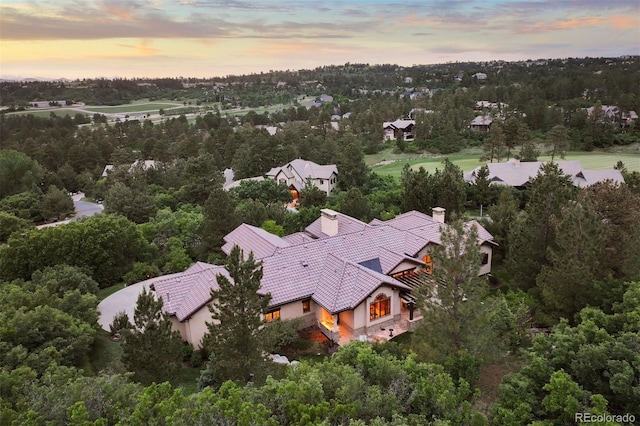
[418,190]
[502,216]
[151,350]
[356,205]
[218,220]
[481,188]
[236,311]
[558,140]
[516,133]
[529,151]
[450,188]
[533,232]
[353,172]
[619,211]
[494,144]
[568,282]
[312,196]
[454,303]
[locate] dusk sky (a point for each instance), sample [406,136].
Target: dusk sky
[206,38]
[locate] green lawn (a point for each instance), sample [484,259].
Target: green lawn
[154,107]
[103,293]
[60,112]
[469,161]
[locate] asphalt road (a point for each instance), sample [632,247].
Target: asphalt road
[85,208]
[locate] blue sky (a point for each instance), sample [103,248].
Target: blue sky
[204,38]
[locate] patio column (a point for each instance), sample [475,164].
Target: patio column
[335,323]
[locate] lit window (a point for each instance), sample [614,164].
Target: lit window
[380,307]
[272,315]
[428,267]
[306,305]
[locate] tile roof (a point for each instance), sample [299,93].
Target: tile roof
[346,225]
[306,169]
[337,272]
[186,292]
[518,173]
[253,239]
[399,124]
[344,284]
[298,238]
[482,120]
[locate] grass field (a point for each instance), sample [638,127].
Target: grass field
[469,161]
[60,112]
[132,107]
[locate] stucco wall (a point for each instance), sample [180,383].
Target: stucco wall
[294,310]
[485,269]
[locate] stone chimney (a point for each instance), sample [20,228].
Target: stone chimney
[329,222]
[516,161]
[438,214]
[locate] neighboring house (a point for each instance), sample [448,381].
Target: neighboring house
[395,129]
[479,76]
[481,123]
[519,174]
[352,279]
[483,105]
[295,174]
[146,165]
[613,114]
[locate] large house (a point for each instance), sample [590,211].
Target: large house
[399,128]
[613,114]
[519,174]
[352,279]
[481,123]
[295,174]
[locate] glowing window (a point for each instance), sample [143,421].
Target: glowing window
[272,315]
[380,307]
[306,305]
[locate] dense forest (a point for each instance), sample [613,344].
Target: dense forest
[561,308]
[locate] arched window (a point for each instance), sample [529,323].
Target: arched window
[380,307]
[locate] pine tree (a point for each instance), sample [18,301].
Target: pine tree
[558,140]
[450,188]
[218,220]
[567,283]
[236,312]
[533,233]
[502,216]
[494,144]
[481,188]
[151,350]
[454,303]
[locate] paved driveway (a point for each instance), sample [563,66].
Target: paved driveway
[122,300]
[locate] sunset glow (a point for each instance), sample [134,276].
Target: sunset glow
[205,38]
